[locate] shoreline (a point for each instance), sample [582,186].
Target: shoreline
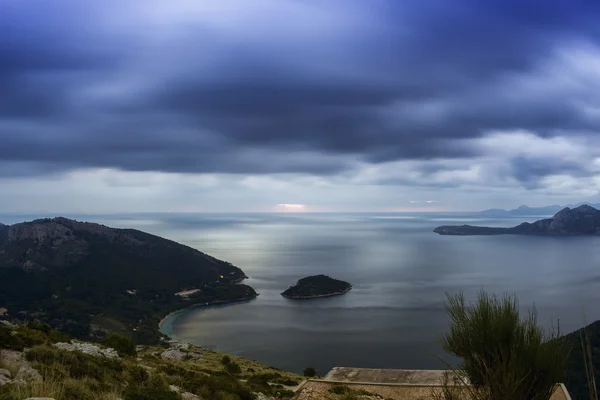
[317,296]
[172,314]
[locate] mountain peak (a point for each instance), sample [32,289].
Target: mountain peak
[585,209]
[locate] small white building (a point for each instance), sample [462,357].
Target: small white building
[187,293]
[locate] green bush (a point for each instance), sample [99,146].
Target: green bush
[76,390]
[151,389]
[39,326]
[122,344]
[284,393]
[30,337]
[78,365]
[310,372]
[233,368]
[57,336]
[502,355]
[10,341]
[137,373]
[287,381]
[225,360]
[338,390]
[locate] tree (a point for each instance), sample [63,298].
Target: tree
[503,355]
[310,372]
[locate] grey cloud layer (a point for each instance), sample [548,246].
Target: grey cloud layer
[297,86]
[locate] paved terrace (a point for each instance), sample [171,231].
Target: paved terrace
[396,384]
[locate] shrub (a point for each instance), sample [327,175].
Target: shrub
[137,373]
[287,381]
[310,372]
[122,344]
[233,368]
[39,326]
[77,390]
[8,340]
[284,393]
[57,336]
[502,355]
[78,365]
[338,390]
[225,360]
[153,389]
[208,386]
[30,337]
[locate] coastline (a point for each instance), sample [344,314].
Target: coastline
[172,316]
[317,296]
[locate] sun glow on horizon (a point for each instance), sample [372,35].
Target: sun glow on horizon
[287,207]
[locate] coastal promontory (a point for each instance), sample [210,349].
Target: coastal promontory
[316,286]
[86,278]
[582,220]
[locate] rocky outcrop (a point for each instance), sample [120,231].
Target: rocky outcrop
[25,372]
[5,376]
[181,351]
[88,348]
[41,244]
[583,220]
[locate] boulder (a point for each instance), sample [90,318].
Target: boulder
[4,376]
[27,374]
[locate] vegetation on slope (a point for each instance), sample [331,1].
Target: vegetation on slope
[316,286]
[80,276]
[145,375]
[583,366]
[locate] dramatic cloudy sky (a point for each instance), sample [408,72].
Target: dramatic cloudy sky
[340,105]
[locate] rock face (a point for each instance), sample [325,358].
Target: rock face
[583,220]
[88,348]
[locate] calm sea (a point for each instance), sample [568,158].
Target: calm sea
[400,269]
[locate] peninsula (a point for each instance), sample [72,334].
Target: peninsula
[582,220]
[316,286]
[85,278]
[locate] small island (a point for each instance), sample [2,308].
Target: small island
[316,286]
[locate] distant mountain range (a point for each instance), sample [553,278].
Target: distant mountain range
[83,277]
[532,211]
[582,220]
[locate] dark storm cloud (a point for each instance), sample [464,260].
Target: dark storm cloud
[529,170]
[400,80]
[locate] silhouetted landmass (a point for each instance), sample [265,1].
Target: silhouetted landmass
[576,381]
[83,277]
[526,210]
[583,220]
[316,286]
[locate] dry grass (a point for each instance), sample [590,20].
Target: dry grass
[49,387]
[586,349]
[211,362]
